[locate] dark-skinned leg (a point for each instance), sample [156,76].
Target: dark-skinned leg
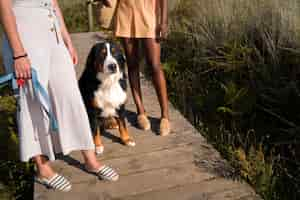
[131,47]
[152,47]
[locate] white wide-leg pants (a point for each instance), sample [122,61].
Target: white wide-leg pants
[39,31]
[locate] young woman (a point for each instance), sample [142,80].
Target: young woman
[36,37]
[139,21]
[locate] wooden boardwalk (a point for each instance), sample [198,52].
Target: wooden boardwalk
[182,166]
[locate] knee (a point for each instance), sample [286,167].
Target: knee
[133,65]
[133,61]
[156,67]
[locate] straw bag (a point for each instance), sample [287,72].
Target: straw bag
[106,15]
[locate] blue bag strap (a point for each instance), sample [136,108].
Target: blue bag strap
[40,93]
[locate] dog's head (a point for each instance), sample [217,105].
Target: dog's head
[106,59]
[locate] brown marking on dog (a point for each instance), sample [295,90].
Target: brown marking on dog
[94,103]
[97,138]
[123,131]
[111,123]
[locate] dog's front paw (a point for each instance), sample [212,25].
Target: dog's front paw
[99,150]
[129,142]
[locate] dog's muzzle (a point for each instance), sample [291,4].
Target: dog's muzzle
[112,68]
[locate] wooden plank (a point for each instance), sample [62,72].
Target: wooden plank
[243,191]
[134,184]
[125,154]
[249,197]
[136,164]
[112,136]
[141,162]
[151,144]
[205,190]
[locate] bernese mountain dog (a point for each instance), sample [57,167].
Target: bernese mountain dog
[103,86]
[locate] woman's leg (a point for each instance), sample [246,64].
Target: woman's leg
[153,60]
[75,132]
[43,168]
[131,47]
[90,160]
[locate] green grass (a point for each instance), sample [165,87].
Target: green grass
[76,15]
[15,177]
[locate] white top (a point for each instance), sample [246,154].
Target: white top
[33,3]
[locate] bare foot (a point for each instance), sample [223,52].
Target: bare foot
[45,172]
[93,166]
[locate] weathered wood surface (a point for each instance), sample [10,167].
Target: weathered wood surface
[181,166]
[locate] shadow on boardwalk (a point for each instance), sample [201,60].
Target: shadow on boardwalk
[182,166]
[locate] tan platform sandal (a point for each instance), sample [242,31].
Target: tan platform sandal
[165,127]
[143,122]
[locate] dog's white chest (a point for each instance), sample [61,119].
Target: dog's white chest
[110,98]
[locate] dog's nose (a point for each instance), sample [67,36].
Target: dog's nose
[112,67]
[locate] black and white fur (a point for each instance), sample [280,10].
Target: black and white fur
[103,84]
[111,92]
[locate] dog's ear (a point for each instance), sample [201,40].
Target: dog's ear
[91,59]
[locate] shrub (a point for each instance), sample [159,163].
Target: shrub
[16,177]
[76,15]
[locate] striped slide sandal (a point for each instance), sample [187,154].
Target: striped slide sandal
[105,173]
[57,182]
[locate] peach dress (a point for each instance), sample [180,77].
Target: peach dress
[136,19]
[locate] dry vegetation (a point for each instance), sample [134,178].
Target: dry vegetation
[235,64]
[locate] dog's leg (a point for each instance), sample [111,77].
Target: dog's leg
[98,142]
[97,138]
[94,104]
[97,127]
[111,123]
[124,132]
